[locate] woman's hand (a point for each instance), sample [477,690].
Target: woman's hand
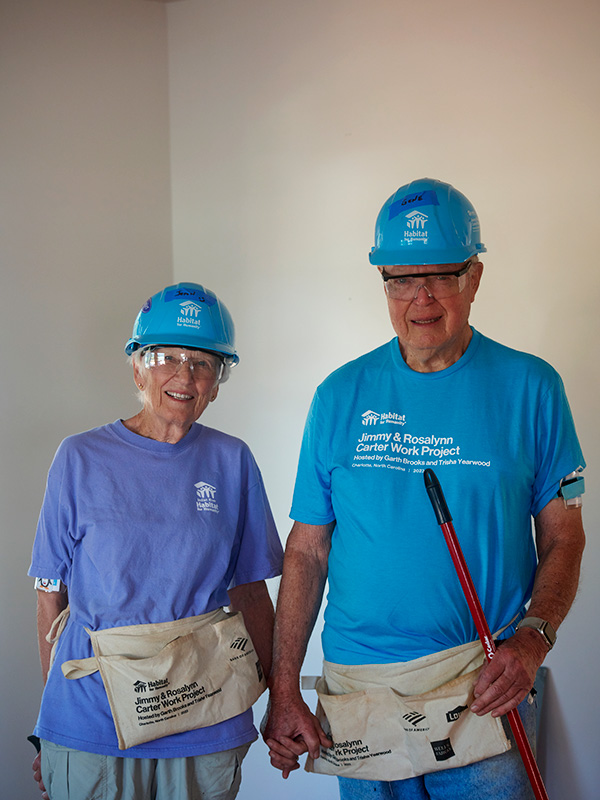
[37,775]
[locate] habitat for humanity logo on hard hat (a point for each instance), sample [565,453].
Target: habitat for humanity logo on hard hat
[189,314]
[415,226]
[205,497]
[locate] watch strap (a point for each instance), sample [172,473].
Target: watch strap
[542,626]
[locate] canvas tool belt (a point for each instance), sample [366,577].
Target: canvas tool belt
[395,721]
[171,677]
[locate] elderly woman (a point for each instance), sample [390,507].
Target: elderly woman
[149,527]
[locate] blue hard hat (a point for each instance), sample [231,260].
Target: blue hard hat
[185,315]
[426,222]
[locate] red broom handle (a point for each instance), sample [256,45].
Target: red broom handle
[434,490]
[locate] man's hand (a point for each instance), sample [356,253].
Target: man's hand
[37,775]
[292,730]
[509,676]
[507,679]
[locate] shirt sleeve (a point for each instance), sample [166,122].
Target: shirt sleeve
[558,452]
[53,544]
[259,555]
[312,503]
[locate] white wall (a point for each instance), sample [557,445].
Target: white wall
[86,237]
[291,124]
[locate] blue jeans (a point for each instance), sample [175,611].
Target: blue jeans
[501,777]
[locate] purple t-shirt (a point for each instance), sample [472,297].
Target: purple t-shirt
[142,531]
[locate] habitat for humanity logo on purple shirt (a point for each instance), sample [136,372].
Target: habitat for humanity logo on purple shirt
[205,497]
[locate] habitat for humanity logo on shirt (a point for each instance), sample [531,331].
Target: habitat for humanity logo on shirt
[374,418]
[205,497]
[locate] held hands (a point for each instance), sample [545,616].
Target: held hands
[507,679]
[291,730]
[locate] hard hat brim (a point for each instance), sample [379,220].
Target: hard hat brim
[194,343]
[414,256]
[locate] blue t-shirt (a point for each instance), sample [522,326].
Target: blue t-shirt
[496,429]
[142,531]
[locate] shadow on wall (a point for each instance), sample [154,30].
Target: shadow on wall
[551,727]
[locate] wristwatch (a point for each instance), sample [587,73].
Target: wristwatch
[542,626]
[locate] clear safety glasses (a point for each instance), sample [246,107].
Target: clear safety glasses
[438,285]
[169,360]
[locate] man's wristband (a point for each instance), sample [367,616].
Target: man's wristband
[542,626]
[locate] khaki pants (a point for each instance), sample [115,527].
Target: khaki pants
[74,775]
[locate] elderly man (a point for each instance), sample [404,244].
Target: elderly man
[495,425]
